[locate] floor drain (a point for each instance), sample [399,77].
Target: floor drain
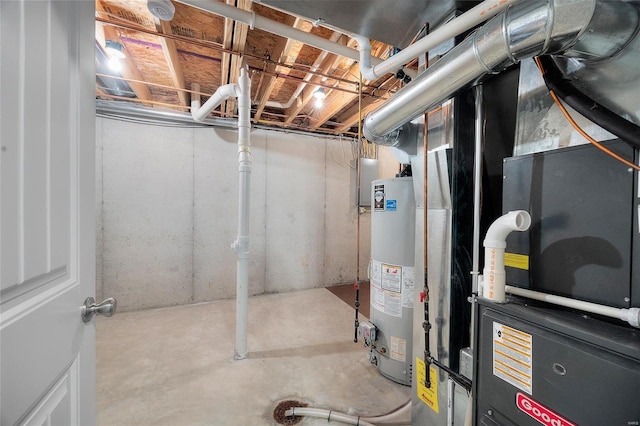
[278,413]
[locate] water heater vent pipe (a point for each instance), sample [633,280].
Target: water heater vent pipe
[495,243]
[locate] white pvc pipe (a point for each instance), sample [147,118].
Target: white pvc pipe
[242,91]
[241,245]
[631,315]
[457,26]
[275,27]
[495,243]
[199,113]
[321,413]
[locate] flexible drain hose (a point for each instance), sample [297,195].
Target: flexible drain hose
[328,415]
[398,416]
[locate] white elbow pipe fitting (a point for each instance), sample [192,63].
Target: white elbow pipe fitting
[199,113]
[364,47]
[495,242]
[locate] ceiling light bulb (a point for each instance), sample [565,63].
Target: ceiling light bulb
[114,49]
[115,64]
[319,93]
[319,102]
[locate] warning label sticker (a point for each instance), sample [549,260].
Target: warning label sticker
[391,287]
[512,356]
[398,348]
[519,261]
[408,277]
[391,277]
[386,301]
[427,395]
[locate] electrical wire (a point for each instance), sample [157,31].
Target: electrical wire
[581,131]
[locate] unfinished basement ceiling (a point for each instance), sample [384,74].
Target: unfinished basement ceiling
[165,59]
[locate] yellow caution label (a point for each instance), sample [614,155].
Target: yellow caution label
[519,261]
[428,395]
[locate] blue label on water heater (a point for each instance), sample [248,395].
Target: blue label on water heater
[391,205]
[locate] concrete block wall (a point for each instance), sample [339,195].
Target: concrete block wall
[167,213]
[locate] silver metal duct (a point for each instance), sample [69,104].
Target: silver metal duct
[527,29]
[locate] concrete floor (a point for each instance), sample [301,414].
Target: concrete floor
[174,366]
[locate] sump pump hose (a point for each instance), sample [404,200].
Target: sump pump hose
[592,110]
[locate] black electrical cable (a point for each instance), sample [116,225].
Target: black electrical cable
[590,109]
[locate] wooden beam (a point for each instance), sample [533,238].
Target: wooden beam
[368,104]
[226,43]
[279,53]
[337,101]
[328,64]
[238,44]
[129,69]
[334,102]
[173,60]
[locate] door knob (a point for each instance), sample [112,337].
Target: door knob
[106,308]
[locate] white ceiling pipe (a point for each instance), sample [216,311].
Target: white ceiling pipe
[199,113]
[631,315]
[473,17]
[275,27]
[495,243]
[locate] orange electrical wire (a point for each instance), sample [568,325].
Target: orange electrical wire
[580,130]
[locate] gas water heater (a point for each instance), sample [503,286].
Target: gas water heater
[389,332]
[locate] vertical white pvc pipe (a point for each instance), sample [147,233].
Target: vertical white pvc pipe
[241,244]
[495,243]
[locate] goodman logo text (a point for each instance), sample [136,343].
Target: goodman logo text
[540,412]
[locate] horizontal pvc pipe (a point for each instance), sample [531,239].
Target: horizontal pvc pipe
[477,15]
[631,315]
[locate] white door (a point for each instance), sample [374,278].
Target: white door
[47,251]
